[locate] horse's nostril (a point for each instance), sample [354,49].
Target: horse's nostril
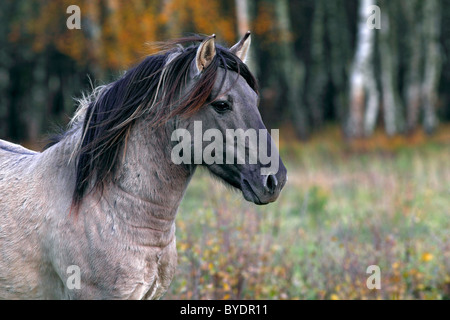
[270,183]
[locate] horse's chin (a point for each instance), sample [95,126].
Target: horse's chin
[232,178]
[250,195]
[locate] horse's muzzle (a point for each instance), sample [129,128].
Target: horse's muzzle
[264,189]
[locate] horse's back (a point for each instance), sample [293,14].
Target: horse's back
[11,156]
[10,149]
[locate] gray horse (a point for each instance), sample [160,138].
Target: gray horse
[92,216]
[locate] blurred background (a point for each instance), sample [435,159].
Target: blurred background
[363,116]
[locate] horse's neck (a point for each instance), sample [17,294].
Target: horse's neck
[130,225]
[147,187]
[145,174]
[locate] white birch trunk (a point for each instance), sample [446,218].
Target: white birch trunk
[362,81]
[391,102]
[243,16]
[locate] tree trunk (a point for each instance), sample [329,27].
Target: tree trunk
[93,32]
[373,102]
[340,55]
[392,108]
[112,9]
[5,61]
[244,16]
[171,26]
[319,75]
[362,80]
[432,63]
[291,69]
[37,114]
[4,83]
[412,9]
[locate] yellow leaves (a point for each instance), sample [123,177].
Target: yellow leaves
[413,272]
[334,297]
[183,246]
[202,16]
[114,32]
[420,286]
[426,257]
[447,279]
[264,20]
[226,287]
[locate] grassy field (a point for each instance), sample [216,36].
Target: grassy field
[346,206]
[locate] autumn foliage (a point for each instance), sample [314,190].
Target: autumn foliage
[114,32]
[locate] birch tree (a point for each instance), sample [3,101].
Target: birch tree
[364,95]
[244,9]
[412,80]
[432,63]
[291,69]
[392,104]
[317,67]
[340,54]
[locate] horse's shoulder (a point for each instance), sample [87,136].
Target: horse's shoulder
[9,147]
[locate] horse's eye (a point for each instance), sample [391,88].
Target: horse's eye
[221,106]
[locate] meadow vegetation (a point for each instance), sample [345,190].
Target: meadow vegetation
[346,206]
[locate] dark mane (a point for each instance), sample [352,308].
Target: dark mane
[110,116]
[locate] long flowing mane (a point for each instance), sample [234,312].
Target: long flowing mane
[151,89]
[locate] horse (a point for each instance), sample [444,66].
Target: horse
[92,216]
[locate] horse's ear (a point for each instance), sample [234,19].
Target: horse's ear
[240,49]
[205,53]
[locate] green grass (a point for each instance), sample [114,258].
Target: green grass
[341,211]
